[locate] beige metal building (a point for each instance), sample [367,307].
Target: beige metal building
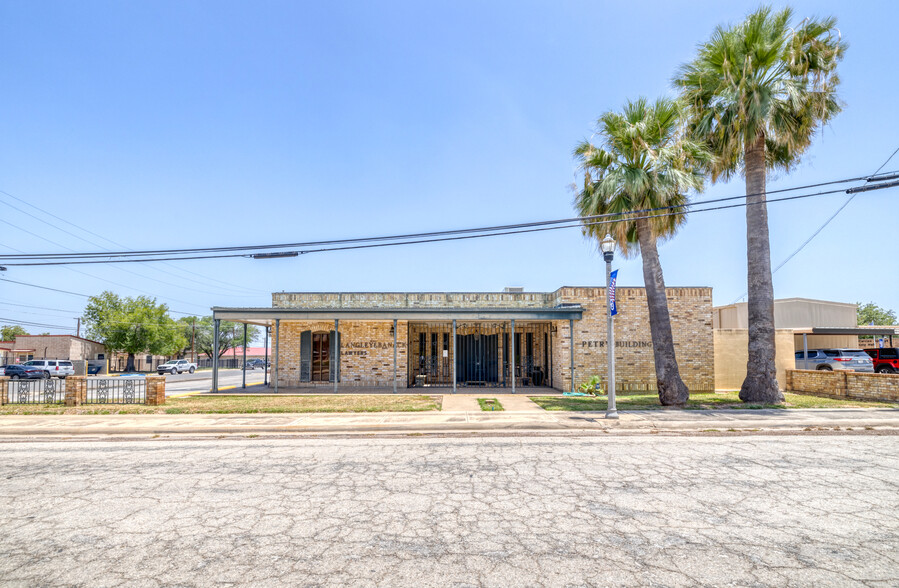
[799,322]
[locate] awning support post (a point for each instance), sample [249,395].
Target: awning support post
[454,356]
[394,356]
[215,354]
[265,365]
[512,359]
[277,350]
[571,351]
[805,351]
[336,353]
[244,355]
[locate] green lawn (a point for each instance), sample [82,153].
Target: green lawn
[698,401]
[247,405]
[488,406]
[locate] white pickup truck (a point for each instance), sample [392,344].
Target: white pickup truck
[176,366]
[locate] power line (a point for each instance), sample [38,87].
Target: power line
[8,321]
[46,212]
[8,303]
[575,222]
[184,251]
[852,195]
[76,293]
[84,273]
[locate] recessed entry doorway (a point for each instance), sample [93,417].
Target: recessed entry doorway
[482,356]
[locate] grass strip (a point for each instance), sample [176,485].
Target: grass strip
[490,404]
[698,401]
[233,404]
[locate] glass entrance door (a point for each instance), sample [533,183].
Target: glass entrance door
[321,357]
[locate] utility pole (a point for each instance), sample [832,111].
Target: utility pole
[193,334]
[78,330]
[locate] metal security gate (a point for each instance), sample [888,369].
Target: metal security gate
[483,354]
[477,362]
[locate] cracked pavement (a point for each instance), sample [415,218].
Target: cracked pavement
[519,511]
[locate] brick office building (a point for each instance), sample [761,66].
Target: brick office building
[457,340]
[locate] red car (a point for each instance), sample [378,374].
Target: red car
[886,360]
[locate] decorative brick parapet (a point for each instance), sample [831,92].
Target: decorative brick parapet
[4,390]
[155,390]
[844,384]
[76,390]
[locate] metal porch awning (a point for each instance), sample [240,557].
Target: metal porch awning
[866,330]
[272,317]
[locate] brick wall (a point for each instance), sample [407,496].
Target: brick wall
[59,347]
[366,352]
[367,346]
[844,384]
[691,323]
[410,299]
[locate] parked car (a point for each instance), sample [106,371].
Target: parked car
[23,372]
[835,359]
[53,368]
[886,360]
[253,364]
[176,366]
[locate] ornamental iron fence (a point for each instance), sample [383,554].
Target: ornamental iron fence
[48,391]
[122,390]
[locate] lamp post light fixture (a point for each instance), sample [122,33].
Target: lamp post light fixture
[607,245]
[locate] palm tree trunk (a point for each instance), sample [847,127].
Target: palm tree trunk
[760,384]
[672,390]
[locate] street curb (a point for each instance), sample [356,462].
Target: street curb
[455,428]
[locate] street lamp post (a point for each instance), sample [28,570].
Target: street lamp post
[608,253]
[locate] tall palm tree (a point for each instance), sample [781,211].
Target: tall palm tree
[643,163]
[758,91]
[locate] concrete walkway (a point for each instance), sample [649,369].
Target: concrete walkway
[646,421]
[469,402]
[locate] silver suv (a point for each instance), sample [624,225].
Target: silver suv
[53,368]
[854,360]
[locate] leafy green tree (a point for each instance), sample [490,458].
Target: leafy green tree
[230,334]
[871,314]
[758,92]
[644,162]
[132,325]
[10,332]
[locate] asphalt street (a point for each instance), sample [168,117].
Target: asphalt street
[493,511]
[202,381]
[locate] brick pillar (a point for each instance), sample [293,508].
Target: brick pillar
[789,380]
[76,390]
[842,382]
[155,390]
[4,390]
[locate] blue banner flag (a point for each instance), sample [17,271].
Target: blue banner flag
[613,307]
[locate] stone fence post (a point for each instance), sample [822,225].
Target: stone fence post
[4,390]
[155,390]
[76,390]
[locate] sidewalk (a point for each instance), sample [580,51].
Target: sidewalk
[646,421]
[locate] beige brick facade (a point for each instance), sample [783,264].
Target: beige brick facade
[366,346]
[57,347]
[691,323]
[844,384]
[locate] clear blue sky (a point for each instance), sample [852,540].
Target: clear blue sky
[178,124]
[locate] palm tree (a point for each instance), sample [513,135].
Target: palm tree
[757,92]
[643,163]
